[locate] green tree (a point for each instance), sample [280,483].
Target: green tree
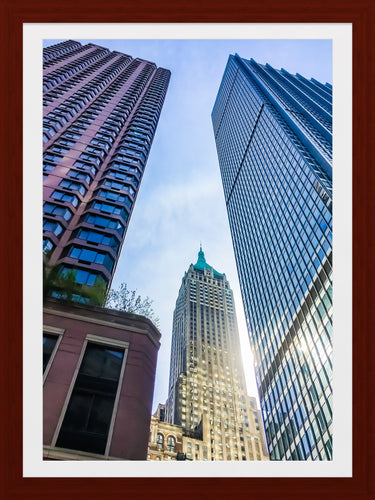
[127,300]
[65,287]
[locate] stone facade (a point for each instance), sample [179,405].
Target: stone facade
[207,389]
[118,415]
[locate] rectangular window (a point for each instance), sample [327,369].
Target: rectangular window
[49,343]
[110,195]
[71,198]
[88,416]
[87,255]
[96,151]
[71,135]
[101,144]
[85,166]
[104,222]
[79,176]
[83,277]
[123,177]
[97,238]
[113,184]
[51,157]
[52,209]
[48,246]
[59,149]
[53,227]
[47,167]
[90,157]
[110,209]
[65,142]
[74,186]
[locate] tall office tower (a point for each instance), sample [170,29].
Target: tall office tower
[101,109]
[273,134]
[207,391]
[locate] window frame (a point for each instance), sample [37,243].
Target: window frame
[170,448]
[56,223]
[103,341]
[59,332]
[160,444]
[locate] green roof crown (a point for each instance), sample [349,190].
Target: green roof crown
[201,264]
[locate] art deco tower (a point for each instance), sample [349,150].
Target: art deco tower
[273,133]
[101,110]
[207,391]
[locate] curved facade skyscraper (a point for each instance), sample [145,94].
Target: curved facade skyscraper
[273,133]
[101,110]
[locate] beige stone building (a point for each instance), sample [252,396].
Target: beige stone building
[207,391]
[165,441]
[168,441]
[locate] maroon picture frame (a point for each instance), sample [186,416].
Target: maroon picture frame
[13,14]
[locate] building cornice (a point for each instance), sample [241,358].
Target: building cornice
[51,453]
[92,315]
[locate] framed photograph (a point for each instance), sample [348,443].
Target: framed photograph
[200,32]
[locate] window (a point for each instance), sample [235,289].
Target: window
[52,209]
[97,238]
[85,166]
[90,157]
[105,137]
[160,440]
[96,151]
[71,135]
[110,209]
[47,245]
[71,198]
[79,128]
[83,277]
[75,186]
[47,167]
[52,157]
[101,144]
[49,343]
[59,149]
[131,152]
[118,185]
[171,443]
[65,142]
[110,195]
[53,227]
[87,255]
[89,413]
[79,176]
[123,177]
[99,221]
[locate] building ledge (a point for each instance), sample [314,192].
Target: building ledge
[101,315]
[51,453]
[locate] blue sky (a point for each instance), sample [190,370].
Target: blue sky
[180,201]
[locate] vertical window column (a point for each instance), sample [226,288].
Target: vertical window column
[89,413]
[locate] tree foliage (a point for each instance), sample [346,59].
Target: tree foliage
[65,287]
[127,300]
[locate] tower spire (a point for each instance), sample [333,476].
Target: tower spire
[201,257]
[202,263]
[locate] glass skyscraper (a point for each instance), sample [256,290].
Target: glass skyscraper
[207,390]
[101,110]
[273,133]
